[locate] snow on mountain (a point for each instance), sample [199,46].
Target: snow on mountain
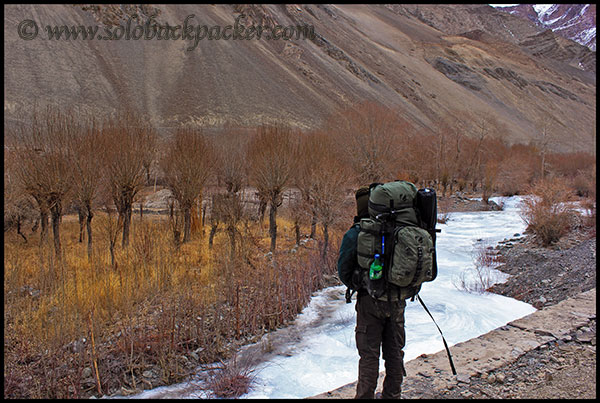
[572,21]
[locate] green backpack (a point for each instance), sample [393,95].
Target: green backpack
[401,229]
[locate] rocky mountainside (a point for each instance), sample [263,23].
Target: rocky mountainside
[572,21]
[426,60]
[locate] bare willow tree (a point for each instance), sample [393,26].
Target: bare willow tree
[479,127]
[19,207]
[272,153]
[187,164]
[45,165]
[367,136]
[87,175]
[447,151]
[111,227]
[231,169]
[125,146]
[303,178]
[544,139]
[328,185]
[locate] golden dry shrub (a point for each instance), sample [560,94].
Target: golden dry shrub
[545,211]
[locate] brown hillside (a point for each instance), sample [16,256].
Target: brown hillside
[426,60]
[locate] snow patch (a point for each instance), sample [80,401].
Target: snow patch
[544,10]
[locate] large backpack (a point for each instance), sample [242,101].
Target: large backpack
[401,229]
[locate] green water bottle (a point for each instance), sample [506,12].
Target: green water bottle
[376,269]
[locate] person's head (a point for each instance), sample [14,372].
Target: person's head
[362,202]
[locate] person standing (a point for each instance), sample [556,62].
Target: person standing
[379,322]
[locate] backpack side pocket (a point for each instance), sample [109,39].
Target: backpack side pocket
[413,257]
[369,242]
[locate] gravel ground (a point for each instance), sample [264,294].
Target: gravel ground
[565,368]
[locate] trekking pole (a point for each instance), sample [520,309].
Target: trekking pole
[443,339]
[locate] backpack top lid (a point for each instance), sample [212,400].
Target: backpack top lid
[403,195]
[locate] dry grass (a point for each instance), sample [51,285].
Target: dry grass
[480,277]
[158,304]
[232,380]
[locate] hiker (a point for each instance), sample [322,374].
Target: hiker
[379,322]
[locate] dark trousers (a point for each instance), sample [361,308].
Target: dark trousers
[379,324]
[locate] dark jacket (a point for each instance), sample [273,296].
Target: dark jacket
[348,258]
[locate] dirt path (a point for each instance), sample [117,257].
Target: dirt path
[565,369]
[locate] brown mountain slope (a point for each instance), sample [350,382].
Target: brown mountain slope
[428,61]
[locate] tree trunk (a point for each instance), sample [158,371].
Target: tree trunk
[35,226]
[147,169]
[313,226]
[176,238]
[90,215]
[325,241]
[213,231]
[19,228]
[262,207]
[187,223]
[297,231]
[126,215]
[112,254]
[56,212]
[543,163]
[273,224]
[44,224]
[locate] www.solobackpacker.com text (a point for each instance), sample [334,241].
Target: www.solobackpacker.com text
[151,30]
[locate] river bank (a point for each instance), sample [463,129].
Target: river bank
[560,359]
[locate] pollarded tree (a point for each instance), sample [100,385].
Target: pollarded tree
[19,207]
[86,162]
[126,140]
[303,178]
[230,151]
[231,169]
[187,164]
[479,127]
[328,186]
[447,151]
[272,155]
[494,151]
[368,140]
[45,168]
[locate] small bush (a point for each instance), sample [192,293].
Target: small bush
[545,212]
[232,380]
[481,277]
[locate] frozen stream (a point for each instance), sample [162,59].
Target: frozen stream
[317,352]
